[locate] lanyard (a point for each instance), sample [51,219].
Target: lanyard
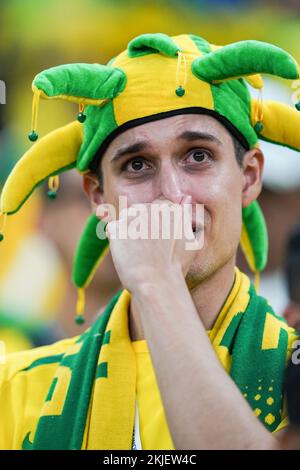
[136,438]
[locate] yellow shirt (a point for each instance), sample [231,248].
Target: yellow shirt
[154,430]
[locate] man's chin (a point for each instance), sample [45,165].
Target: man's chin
[197,273]
[204,267]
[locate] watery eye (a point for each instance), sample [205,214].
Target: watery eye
[199,156]
[136,165]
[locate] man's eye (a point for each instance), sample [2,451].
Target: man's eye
[199,156]
[135,165]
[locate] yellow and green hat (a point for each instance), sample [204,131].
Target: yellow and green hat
[157,76]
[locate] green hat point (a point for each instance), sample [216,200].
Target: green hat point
[81,117]
[258,127]
[1,237]
[79,319]
[297,106]
[180,91]
[33,136]
[51,194]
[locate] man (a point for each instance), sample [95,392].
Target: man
[178,356]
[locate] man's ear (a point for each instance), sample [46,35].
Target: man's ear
[93,189]
[253,164]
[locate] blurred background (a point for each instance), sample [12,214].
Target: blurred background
[37,299]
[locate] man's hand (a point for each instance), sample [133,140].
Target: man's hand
[144,259]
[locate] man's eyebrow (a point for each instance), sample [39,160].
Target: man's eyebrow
[129,149]
[197,135]
[141,145]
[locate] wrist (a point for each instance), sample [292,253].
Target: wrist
[155,284]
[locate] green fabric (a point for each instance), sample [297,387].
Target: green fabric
[44,360]
[245,58]
[201,44]
[100,122]
[252,367]
[257,232]
[150,43]
[66,431]
[93,81]
[232,100]
[88,252]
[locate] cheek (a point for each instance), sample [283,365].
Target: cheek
[133,192]
[221,196]
[224,204]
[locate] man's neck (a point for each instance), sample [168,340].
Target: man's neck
[208,296]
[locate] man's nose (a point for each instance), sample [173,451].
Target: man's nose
[171,184]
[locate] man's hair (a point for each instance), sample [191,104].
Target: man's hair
[292,265]
[239,151]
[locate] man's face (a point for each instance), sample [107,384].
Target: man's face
[183,155]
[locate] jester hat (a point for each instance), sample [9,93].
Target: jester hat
[157,76]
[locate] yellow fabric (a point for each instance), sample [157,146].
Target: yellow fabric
[56,150]
[272,332]
[154,69]
[280,123]
[117,390]
[236,302]
[154,430]
[74,99]
[255,81]
[284,423]
[24,391]
[35,108]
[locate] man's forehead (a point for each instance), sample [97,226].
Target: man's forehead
[186,126]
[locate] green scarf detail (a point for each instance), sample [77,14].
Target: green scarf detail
[257,368]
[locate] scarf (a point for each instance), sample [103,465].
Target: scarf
[91,401]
